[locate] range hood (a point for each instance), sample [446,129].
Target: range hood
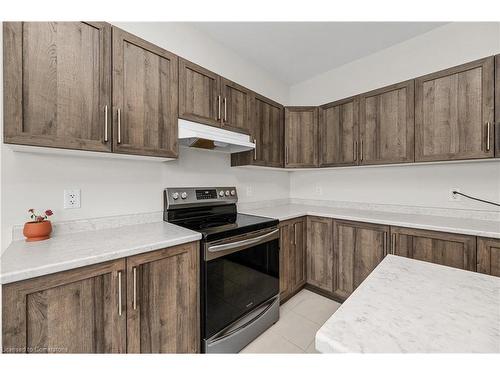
[193,134]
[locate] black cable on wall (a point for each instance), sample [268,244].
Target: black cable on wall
[476,199]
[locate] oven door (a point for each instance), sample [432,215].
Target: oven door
[239,274]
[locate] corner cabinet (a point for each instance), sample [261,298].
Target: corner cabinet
[57,84]
[301,137]
[292,257]
[266,131]
[338,133]
[358,248]
[320,253]
[148,303]
[454,116]
[387,125]
[447,249]
[145,88]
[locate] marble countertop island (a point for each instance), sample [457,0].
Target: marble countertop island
[410,306]
[24,260]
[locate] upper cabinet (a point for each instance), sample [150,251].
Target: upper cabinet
[145,88]
[199,94]
[497,107]
[338,133]
[387,125]
[301,137]
[266,118]
[57,84]
[454,113]
[210,99]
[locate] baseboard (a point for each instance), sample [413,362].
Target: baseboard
[323,293]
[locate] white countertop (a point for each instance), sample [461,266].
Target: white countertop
[25,260]
[411,306]
[474,227]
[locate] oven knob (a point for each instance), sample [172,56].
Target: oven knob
[221,193]
[227,193]
[184,195]
[175,196]
[233,193]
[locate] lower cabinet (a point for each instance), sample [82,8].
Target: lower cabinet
[292,256]
[448,249]
[488,256]
[320,253]
[358,248]
[145,303]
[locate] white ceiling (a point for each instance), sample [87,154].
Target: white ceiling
[296,51]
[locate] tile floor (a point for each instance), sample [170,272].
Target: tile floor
[300,317]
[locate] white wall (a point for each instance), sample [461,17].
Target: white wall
[441,48]
[115,187]
[422,185]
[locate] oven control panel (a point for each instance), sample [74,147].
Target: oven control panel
[199,196]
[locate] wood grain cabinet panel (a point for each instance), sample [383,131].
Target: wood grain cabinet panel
[199,94]
[163,301]
[453,110]
[145,88]
[320,253]
[338,133]
[292,257]
[75,311]
[301,137]
[488,256]
[57,84]
[448,249]
[236,106]
[267,132]
[387,125]
[358,248]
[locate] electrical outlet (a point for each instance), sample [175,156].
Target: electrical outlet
[455,197]
[318,190]
[249,191]
[72,198]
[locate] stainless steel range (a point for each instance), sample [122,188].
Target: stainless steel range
[239,265]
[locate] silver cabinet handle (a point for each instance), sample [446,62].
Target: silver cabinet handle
[246,242]
[361,151]
[105,123]
[119,120]
[120,293]
[385,242]
[393,244]
[134,303]
[355,150]
[218,107]
[255,149]
[286,154]
[225,110]
[488,125]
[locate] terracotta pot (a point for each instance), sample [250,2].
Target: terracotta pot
[37,230]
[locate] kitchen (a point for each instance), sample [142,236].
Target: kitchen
[240,204]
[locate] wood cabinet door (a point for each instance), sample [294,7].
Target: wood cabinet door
[358,248]
[236,106]
[453,110]
[57,87]
[299,256]
[338,133]
[199,94]
[448,249]
[488,256]
[320,252]
[301,137]
[75,311]
[387,125]
[496,127]
[144,97]
[163,301]
[286,244]
[267,133]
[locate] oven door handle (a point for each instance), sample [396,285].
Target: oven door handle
[242,243]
